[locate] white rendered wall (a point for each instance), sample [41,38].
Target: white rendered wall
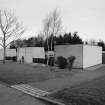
[30,52]
[71,50]
[1,54]
[92,55]
[9,52]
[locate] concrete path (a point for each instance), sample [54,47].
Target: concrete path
[37,93]
[83,76]
[30,90]
[10,96]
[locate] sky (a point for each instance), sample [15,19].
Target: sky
[85,16]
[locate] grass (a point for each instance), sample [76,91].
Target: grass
[89,93]
[15,73]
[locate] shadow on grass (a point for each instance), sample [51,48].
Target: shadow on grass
[23,80]
[80,96]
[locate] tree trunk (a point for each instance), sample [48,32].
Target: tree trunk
[47,51]
[47,59]
[4,54]
[4,47]
[52,43]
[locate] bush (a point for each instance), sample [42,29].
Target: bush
[61,62]
[71,60]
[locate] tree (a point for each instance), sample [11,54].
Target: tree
[55,25]
[10,29]
[17,43]
[91,42]
[101,43]
[59,40]
[46,30]
[68,38]
[52,26]
[76,39]
[30,42]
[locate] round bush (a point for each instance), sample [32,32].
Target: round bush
[71,60]
[61,62]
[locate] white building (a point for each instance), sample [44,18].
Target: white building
[86,55]
[9,53]
[103,57]
[30,52]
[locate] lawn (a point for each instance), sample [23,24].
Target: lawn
[15,73]
[89,93]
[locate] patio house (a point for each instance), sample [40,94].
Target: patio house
[86,55]
[31,54]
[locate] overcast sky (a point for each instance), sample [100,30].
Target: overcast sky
[85,16]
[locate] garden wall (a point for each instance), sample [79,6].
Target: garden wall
[30,52]
[9,53]
[103,57]
[86,55]
[71,50]
[92,55]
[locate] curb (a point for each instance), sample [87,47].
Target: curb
[50,101]
[43,98]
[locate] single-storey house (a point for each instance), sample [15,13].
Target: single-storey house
[86,55]
[9,53]
[30,54]
[103,57]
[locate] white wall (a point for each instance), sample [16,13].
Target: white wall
[71,50]
[30,52]
[1,54]
[86,55]
[9,52]
[92,55]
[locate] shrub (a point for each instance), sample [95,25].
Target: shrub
[61,62]
[71,60]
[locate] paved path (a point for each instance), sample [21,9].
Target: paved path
[37,93]
[10,96]
[83,76]
[30,90]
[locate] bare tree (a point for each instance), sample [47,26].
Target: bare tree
[10,29]
[55,25]
[52,27]
[47,24]
[93,42]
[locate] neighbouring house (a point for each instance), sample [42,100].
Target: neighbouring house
[103,57]
[31,54]
[86,55]
[9,53]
